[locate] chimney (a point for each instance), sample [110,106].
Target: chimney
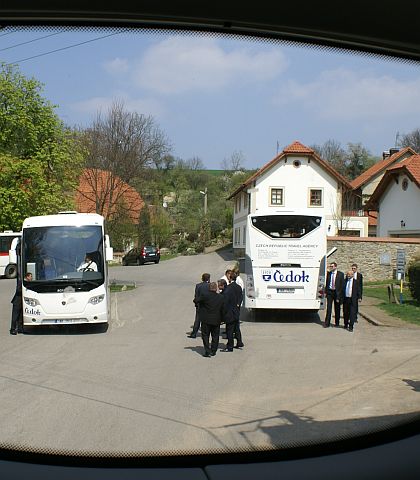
[385,154]
[393,150]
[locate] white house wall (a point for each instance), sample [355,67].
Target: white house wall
[396,205]
[296,182]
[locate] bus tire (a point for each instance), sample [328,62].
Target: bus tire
[10,271]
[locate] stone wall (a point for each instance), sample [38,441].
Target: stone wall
[367,253]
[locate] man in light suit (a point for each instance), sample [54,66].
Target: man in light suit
[334,287]
[351,294]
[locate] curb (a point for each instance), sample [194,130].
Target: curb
[370,319]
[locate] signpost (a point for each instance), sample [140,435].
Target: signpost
[401,270]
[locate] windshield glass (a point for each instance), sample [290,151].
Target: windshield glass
[286,226]
[63,253]
[176,139]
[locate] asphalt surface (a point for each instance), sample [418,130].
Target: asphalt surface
[143,387]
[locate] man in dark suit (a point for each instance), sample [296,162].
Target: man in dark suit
[352,294]
[211,310]
[233,298]
[16,325]
[359,277]
[202,287]
[334,286]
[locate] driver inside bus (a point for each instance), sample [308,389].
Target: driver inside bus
[88,265]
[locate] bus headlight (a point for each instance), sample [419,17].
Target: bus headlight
[97,299]
[32,302]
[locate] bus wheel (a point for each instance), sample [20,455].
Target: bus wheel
[10,271]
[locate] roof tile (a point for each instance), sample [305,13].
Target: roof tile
[379,167]
[110,190]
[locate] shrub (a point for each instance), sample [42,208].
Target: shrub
[414,279]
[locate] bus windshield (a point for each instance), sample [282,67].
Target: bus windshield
[65,254]
[286,226]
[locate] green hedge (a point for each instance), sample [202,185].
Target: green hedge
[414,279]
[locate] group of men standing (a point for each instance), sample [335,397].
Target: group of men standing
[346,290]
[218,303]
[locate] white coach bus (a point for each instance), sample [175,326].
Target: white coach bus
[8,260]
[66,255]
[285,260]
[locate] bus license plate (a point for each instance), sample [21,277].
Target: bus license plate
[285,290]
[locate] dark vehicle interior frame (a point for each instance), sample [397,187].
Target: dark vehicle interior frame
[386,29]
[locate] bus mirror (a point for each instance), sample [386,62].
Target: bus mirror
[107,242]
[333,250]
[109,254]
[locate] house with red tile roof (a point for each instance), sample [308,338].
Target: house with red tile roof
[397,200]
[364,185]
[102,192]
[297,178]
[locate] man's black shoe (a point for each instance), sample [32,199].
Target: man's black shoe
[213,354]
[192,335]
[13,332]
[207,355]
[350,329]
[239,345]
[227,350]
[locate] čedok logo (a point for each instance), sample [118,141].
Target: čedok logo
[290,277]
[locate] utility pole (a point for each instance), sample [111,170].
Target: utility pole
[205,200]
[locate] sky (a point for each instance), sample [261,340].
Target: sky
[213,96]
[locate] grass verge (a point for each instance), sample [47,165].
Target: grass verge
[121,288]
[408,311]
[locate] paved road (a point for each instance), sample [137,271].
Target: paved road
[144,386]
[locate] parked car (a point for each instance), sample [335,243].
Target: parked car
[140,256]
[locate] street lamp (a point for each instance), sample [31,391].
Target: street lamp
[205,200]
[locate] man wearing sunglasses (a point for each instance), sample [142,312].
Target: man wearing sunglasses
[335,286]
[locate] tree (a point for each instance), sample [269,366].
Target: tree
[161,227]
[358,159]
[40,158]
[333,153]
[234,163]
[121,144]
[144,229]
[124,142]
[25,191]
[411,139]
[349,162]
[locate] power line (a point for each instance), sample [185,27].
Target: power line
[61,49]
[8,33]
[29,41]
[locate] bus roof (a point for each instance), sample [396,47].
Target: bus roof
[65,218]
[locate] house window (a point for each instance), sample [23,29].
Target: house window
[276,196]
[243,234]
[245,201]
[237,236]
[315,197]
